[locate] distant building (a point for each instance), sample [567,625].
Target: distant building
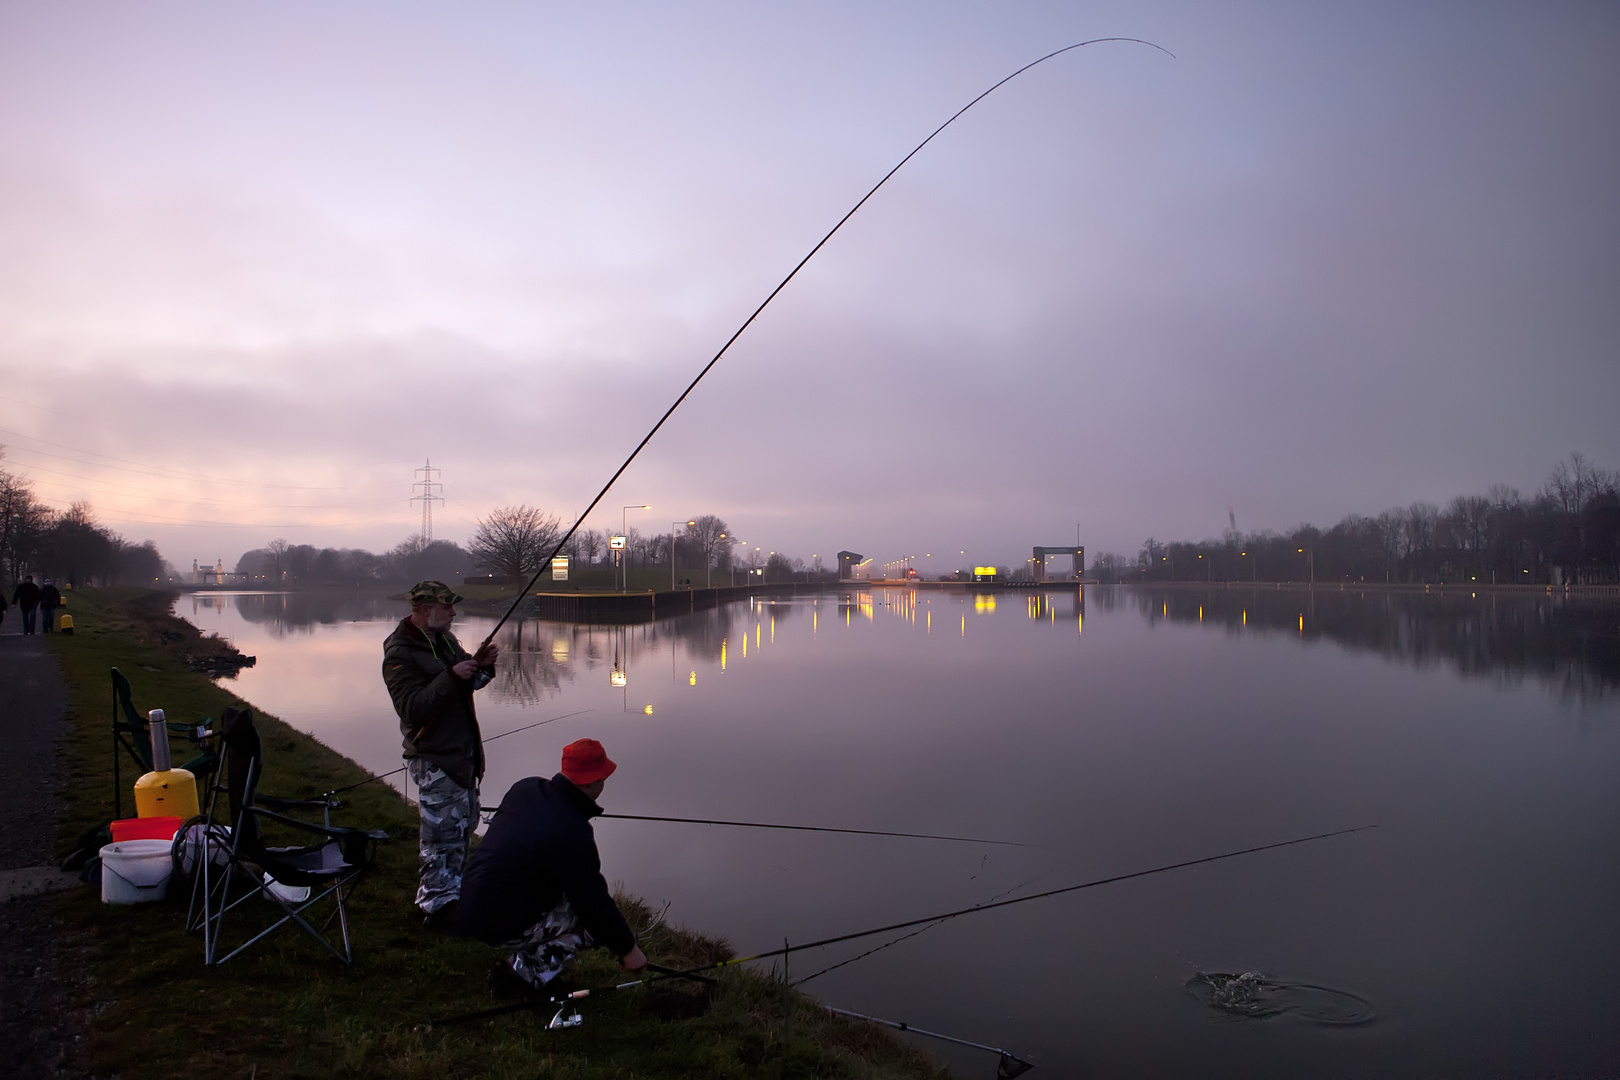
[848,561]
[216,574]
[1038,561]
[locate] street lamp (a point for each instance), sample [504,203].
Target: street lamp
[1310,557]
[624,527]
[672,527]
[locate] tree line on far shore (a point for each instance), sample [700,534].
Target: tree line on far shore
[1568,532]
[66,545]
[510,543]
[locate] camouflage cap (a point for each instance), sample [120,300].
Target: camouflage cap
[432,592]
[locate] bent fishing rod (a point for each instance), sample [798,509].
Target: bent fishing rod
[545,565]
[974,909]
[492,738]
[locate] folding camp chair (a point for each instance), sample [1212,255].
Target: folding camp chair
[233,865]
[132,734]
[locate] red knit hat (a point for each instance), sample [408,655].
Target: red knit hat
[585,762]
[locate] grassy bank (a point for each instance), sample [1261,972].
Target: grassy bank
[287,1009]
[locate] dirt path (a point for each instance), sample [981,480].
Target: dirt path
[40,965]
[32,724]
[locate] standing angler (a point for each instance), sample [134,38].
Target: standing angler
[431,680]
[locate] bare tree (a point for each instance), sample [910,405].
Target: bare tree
[277,550]
[514,540]
[591,544]
[1422,518]
[707,533]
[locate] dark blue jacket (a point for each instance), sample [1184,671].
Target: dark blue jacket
[539,849]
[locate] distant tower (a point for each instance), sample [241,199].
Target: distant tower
[426,491]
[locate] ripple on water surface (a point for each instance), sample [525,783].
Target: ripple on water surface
[1253,996]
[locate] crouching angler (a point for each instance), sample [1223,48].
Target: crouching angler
[535,886]
[431,680]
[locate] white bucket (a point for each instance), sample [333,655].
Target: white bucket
[135,871]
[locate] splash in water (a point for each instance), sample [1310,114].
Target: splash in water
[1254,996]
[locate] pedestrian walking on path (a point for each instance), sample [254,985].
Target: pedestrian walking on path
[26,597]
[49,601]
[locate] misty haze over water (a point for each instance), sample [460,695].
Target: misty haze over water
[1117,730]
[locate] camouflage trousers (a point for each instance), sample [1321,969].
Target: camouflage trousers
[542,950]
[449,817]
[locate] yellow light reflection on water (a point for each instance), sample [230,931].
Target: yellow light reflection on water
[964,626]
[1302,622]
[648,710]
[559,649]
[691,680]
[1245,616]
[745,646]
[756,634]
[1200,612]
[984,602]
[773,628]
[814,619]
[722,654]
[928,624]
[618,678]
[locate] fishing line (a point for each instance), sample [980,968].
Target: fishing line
[1033,896]
[545,566]
[492,738]
[908,937]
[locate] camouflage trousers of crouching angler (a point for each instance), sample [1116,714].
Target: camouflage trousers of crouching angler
[449,818]
[542,950]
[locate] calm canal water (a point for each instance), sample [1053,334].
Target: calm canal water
[1472,934]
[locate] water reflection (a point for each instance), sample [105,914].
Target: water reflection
[1570,645]
[1479,917]
[283,613]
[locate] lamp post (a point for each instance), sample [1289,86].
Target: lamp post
[1310,558]
[624,527]
[672,527]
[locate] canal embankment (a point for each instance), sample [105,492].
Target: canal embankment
[149,1007]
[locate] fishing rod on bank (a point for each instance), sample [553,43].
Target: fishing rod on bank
[545,565]
[976,908]
[563,1001]
[1009,1066]
[799,828]
[492,738]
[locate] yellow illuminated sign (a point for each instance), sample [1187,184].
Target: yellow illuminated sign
[984,571]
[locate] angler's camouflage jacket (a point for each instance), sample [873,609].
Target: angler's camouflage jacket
[436,715]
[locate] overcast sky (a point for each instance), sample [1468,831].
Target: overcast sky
[259,261]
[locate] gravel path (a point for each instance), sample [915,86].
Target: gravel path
[32,724]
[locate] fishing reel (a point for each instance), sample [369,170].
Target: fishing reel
[564,1018]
